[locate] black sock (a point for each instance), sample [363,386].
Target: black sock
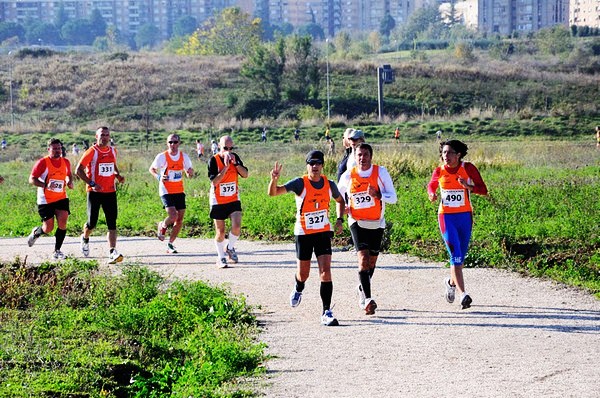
[299,285]
[365,281]
[326,291]
[38,232]
[60,238]
[371,272]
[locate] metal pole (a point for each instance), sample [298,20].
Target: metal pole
[380,92]
[327,58]
[12,113]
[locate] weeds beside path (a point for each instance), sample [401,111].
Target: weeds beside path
[522,337]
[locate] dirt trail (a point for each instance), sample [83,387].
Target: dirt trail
[521,338]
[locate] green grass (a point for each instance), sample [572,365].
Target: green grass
[71,330]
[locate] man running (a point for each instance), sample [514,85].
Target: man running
[224,169]
[369,187]
[312,229]
[98,169]
[168,168]
[51,175]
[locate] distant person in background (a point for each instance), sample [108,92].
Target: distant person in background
[199,149]
[214,147]
[263,137]
[1,179]
[331,147]
[457,180]
[313,232]
[397,134]
[438,135]
[75,149]
[297,135]
[598,136]
[63,150]
[98,169]
[342,165]
[356,137]
[168,168]
[327,134]
[86,144]
[52,175]
[3,143]
[224,169]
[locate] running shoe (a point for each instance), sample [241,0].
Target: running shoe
[58,255]
[161,231]
[114,257]
[327,319]
[85,246]
[450,291]
[466,302]
[171,248]
[295,298]
[222,262]
[370,306]
[32,236]
[361,296]
[232,254]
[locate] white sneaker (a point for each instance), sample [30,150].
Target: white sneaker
[32,237]
[58,255]
[327,319]
[450,291]
[171,248]
[85,246]
[115,257]
[222,262]
[232,254]
[361,297]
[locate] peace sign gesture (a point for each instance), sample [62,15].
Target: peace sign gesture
[276,172]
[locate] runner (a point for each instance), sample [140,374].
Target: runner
[369,187]
[199,149]
[98,169]
[312,229]
[51,174]
[456,180]
[223,171]
[168,168]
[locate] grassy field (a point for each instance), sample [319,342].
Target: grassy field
[536,220]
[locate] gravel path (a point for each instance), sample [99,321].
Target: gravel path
[521,337]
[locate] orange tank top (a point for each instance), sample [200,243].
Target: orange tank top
[173,170]
[454,197]
[313,209]
[362,205]
[101,168]
[56,182]
[226,191]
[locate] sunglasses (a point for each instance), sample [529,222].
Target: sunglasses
[173,142]
[228,148]
[314,162]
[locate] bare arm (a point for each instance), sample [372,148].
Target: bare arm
[275,189]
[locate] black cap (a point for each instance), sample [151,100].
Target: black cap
[315,156]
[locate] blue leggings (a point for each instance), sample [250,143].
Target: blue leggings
[456,231]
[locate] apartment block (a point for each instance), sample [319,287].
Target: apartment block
[507,16]
[585,13]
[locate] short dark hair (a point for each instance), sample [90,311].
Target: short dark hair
[364,145]
[53,141]
[458,146]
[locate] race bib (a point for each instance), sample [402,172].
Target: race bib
[362,200]
[227,189]
[175,175]
[106,169]
[56,185]
[315,219]
[453,197]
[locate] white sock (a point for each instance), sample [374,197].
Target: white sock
[220,248]
[464,294]
[232,240]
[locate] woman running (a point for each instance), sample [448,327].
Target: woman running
[456,180]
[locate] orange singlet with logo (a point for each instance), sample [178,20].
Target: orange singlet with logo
[100,167]
[56,181]
[226,191]
[173,170]
[454,197]
[362,205]
[313,208]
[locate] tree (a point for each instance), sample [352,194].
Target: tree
[313,30]
[342,43]
[387,25]
[11,29]
[97,24]
[554,40]
[61,17]
[374,40]
[265,67]
[46,31]
[232,32]
[77,32]
[425,19]
[185,26]
[303,77]
[147,36]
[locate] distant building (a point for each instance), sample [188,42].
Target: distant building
[507,16]
[585,13]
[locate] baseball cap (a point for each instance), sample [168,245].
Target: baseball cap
[315,156]
[356,134]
